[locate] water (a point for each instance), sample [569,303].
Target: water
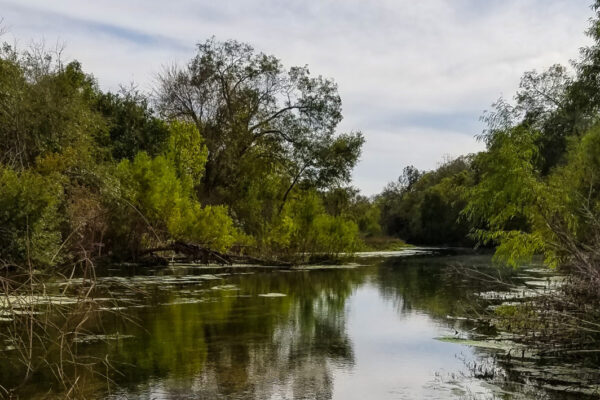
[364,331]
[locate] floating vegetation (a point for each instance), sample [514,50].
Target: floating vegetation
[396,253]
[451,317]
[499,307]
[225,287]
[21,301]
[164,281]
[101,338]
[539,271]
[184,300]
[491,344]
[10,313]
[325,267]
[112,308]
[520,293]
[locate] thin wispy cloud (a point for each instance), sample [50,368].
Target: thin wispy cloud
[414,75]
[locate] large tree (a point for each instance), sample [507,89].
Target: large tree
[252,111]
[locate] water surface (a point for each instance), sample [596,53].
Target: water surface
[368,330]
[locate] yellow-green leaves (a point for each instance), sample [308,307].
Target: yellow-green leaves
[526,213]
[187,151]
[156,194]
[29,217]
[305,228]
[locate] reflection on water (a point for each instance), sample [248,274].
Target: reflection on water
[364,332]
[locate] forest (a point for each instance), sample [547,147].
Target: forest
[235,153]
[232,153]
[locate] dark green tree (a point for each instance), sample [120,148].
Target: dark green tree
[132,125]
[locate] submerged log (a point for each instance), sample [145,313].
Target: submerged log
[197,253]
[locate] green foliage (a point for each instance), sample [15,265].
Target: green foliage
[132,126]
[186,150]
[349,204]
[537,189]
[258,202]
[305,228]
[161,206]
[30,221]
[511,199]
[425,208]
[259,121]
[526,213]
[239,162]
[507,183]
[384,243]
[334,235]
[45,107]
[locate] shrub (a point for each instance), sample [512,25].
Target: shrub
[29,218]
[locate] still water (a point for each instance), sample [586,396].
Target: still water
[367,330]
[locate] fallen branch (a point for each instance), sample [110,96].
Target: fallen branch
[198,253]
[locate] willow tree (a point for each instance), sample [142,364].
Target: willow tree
[258,119]
[538,190]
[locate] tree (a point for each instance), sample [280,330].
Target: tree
[250,110]
[132,125]
[29,218]
[424,207]
[323,164]
[346,202]
[44,108]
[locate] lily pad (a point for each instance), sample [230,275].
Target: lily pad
[396,253]
[225,287]
[27,301]
[116,308]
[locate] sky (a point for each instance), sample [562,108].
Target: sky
[414,76]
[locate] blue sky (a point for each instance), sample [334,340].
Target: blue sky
[414,76]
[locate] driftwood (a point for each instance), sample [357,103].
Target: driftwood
[191,252]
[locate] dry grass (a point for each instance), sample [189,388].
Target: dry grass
[42,324]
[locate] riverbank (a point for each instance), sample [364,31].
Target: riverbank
[536,331]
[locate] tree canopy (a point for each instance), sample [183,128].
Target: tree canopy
[229,149]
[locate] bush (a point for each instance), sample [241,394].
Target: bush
[305,228]
[29,218]
[157,205]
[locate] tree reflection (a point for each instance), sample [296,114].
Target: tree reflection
[236,344]
[434,285]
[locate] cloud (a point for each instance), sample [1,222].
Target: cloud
[413,75]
